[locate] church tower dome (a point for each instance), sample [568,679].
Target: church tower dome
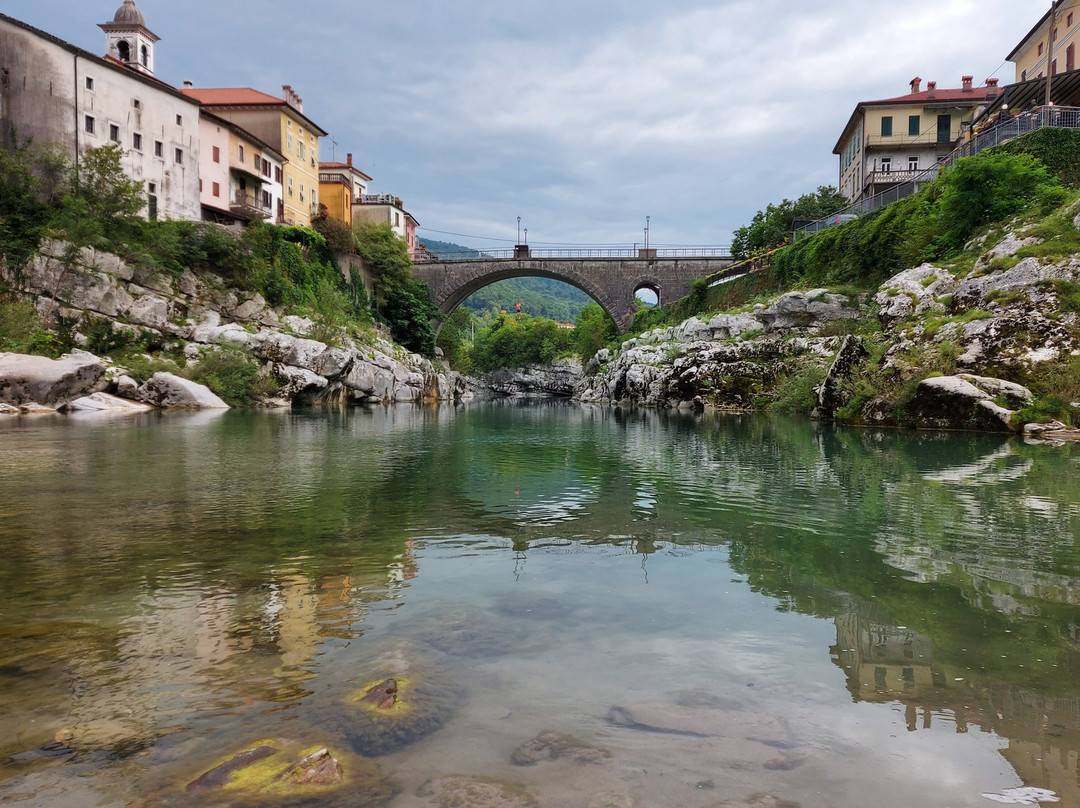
[128,40]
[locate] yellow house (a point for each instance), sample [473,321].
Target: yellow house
[341,185]
[281,123]
[895,140]
[1049,47]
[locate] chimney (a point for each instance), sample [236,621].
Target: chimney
[991,88]
[348,159]
[915,84]
[967,83]
[188,84]
[291,98]
[931,89]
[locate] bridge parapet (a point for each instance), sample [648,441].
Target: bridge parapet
[445,256]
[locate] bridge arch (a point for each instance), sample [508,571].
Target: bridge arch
[611,282]
[473,285]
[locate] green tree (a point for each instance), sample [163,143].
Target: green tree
[594,330]
[32,182]
[408,311]
[102,205]
[517,340]
[771,227]
[386,257]
[454,339]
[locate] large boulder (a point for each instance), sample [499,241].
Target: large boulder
[104,402]
[806,310]
[174,392]
[49,382]
[966,402]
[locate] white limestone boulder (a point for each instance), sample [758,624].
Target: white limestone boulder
[28,379]
[170,391]
[913,292]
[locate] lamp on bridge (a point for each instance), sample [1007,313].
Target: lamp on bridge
[521,249]
[646,252]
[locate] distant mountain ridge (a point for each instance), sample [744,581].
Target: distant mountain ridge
[540,297]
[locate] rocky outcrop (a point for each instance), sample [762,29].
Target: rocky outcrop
[197,311]
[170,391]
[49,383]
[559,379]
[914,292]
[833,393]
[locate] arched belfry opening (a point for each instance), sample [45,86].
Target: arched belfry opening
[127,39]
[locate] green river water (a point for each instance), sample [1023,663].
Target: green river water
[704,610]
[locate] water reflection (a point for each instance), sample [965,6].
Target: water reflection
[162,578]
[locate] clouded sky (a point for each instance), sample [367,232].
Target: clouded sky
[580,116]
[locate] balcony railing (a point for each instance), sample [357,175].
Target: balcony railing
[886,177]
[380,199]
[249,206]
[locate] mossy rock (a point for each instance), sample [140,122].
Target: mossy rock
[271,773]
[459,791]
[387,714]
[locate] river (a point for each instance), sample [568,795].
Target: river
[703,610]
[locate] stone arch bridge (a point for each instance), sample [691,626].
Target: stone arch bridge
[612,280]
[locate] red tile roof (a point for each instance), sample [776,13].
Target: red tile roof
[975,94]
[231,96]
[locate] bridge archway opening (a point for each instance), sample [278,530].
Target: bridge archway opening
[647,295]
[458,299]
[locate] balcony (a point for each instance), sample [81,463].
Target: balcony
[248,206]
[893,177]
[931,139]
[380,199]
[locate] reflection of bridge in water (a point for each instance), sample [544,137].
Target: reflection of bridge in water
[611,277]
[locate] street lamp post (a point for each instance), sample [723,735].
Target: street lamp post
[519,231]
[647,231]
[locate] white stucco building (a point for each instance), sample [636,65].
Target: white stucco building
[54,92]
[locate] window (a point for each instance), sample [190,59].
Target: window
[1023,76]
[216,154]
[135,102]
[1070,57]
[240,152]
[300,149]
[301,192]
[288,143]
[1053,68]
[159,149]
[313,162]
[1040,49]
[217,189]
[266,167]
[145,56]
[89,83]
[1069,20]
[913,164]
[300,130]
[114,133]
[267,200]
[89,124]
[178,157]
[886,126]
[123,51]
[277,174]
[397,219]
[290,187]
[136,141]
[179,120]
[914,125]
[886,165]
[151,203]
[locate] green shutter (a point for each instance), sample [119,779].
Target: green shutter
[914,125]
[886,126]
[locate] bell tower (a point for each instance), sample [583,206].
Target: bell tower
[128,40]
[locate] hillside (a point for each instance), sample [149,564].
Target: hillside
[540,297]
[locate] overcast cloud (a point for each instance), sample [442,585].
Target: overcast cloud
[580,116]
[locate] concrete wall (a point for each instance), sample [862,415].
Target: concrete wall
[37,83]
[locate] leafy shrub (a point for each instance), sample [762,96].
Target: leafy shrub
[517,340]
[797,390]
[408,311]
[234,375]
[593,330]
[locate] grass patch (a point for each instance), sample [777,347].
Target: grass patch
[797,390]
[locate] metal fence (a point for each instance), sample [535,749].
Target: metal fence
[1009,129]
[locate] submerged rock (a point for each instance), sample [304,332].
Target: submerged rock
[756,801]
[280,774]
[392,712]
[459,791]
[552,745]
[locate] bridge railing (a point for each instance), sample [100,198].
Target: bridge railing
[443,256]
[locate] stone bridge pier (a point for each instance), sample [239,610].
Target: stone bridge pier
[611,282]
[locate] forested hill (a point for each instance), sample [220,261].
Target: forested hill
[540,297]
